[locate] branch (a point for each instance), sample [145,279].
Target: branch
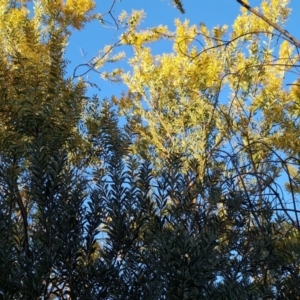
[16,193]
[274,25]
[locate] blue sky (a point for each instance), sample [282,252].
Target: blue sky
[211,12]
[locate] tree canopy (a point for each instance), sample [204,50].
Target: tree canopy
[184,187]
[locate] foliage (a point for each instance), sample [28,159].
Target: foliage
[183,201]
[176,101]
[179,5]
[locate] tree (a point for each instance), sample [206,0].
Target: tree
[41,195]
[175,101]
[182,201]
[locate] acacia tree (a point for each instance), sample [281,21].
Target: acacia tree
[175,102]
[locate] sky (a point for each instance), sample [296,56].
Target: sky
[85,44]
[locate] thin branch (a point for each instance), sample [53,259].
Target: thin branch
[93,62]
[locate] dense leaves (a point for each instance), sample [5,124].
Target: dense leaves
[185,200]
[140,236]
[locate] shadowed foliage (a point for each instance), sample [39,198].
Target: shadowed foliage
[184,200]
